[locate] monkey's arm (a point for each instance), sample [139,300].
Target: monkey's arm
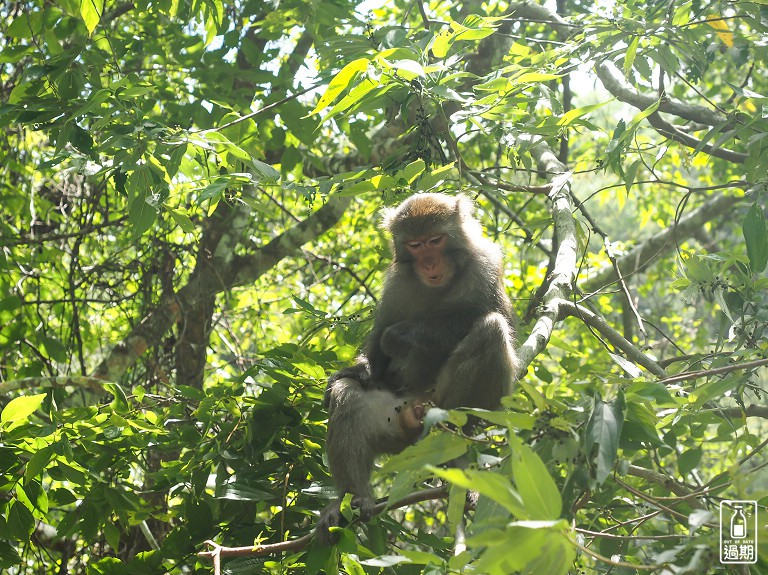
[481,369]
[439,334]
[371,365]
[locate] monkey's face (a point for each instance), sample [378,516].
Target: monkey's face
[430,259]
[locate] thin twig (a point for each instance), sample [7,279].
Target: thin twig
[215,551]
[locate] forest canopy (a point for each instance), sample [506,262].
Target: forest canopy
[191,193]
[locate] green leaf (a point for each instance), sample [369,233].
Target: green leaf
[8,555]
[631,369]
[67,525]
[434,449]
[535,78]
[688,460]
[639,118]
[54,348]
[442,43]
[27,25]
[90,520]
[181,219]
[631,174]
[603,432]
[408,69]
[713,389]
[534,484]
[411,171]
[505,418]
[112,535]
[650,391]
[457,500]
[339,83]
[20,408]
[239,491]
[20,523]
[756,237]
[474,27]
[38,462]
[572,115]
[90,12]
[269,173]
[141,215]
[557,556]
[354,96]
[492,485]
[629,55]
[509,551]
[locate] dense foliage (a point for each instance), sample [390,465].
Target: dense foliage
[189,247]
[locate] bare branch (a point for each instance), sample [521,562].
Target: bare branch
[77,381]
[564,271]
[613,336]
[666,129]
[642,255]
[219,551]
[682,492]
[616,85]
[716,371]
[738,412]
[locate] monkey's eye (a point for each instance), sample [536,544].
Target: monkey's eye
[436,241]
[414,245]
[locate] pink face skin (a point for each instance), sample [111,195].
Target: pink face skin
[432,267]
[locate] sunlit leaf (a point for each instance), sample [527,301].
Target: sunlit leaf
[20,408]
[339,83]
[442,43]
[434,449]
[492,485]
[721,29]
[90,12]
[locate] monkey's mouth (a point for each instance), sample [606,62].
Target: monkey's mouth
[435,280]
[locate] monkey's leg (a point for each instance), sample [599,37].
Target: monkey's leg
[481,368]
[362,424]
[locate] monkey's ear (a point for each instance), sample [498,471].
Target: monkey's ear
[465,206]
[387,217]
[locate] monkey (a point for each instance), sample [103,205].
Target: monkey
[442,335]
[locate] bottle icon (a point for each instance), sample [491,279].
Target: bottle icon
[738,523]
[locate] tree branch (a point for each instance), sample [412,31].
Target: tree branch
[217,551]
[715,371]
[235,271]
[668,483]
[563,273]
[738,412]
[613,336]
[617,86]
[643,254]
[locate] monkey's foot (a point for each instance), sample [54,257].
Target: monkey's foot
[331,517]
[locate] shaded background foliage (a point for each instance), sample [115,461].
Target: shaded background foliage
[189,197]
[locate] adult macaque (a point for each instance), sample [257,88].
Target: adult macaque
[442,335]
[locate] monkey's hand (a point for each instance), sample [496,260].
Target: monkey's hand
[360,372]
[331,517]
